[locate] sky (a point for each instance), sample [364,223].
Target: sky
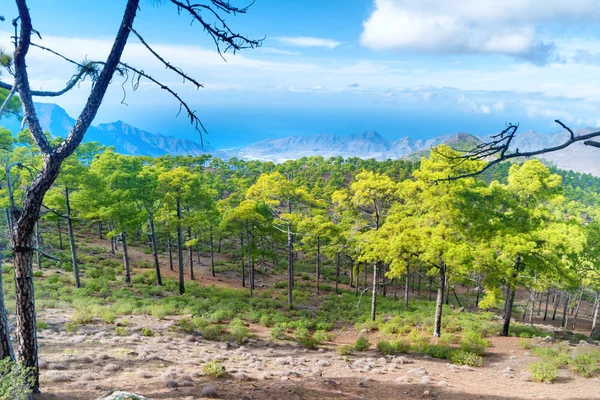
[399,67]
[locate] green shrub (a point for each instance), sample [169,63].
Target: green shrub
[214,369]
[239,331]
[120,331]
[473,342]
[525,344]
[322,336]
[585,364]
[277,333]
[71,327]
[304,337]
[344,350]
[385,347]
[447,339]
[438,351]
[40,325]
[401,346]
[265,320]
[213,332]
[418,339]
[543,371]
[15,381]
[108,317]
[147,331]
[460,357]
[362,344]
[82,316]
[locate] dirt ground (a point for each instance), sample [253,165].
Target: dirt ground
[93,361]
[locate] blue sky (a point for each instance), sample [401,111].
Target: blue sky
[400,67]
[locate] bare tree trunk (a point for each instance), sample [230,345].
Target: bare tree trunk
[250,264]
[577,307]
[112,239]
[318,271]
[126,258]
[100,230]
[565,319]
[374,294]
[594,333]
[557,296]
[406,285]
[180,248]
[242,258]
[437,322]
[508,313]
[337,272]
[547,303]
[356,284]
[170,249]
[72,239]
[352,275]
[154,250]
[290,255]
[6,349]
[212,254]
[540,300]
[191,254]
[60,243]
[532,307]
[478,290]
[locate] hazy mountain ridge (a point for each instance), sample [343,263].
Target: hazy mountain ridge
[128,139]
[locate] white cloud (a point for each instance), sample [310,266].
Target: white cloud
[471,26]
[305,41]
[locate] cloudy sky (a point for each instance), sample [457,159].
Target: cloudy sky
[400,67]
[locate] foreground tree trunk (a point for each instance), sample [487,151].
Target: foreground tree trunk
[154,251]
[437,322]
[6,349]
[38,245]
[547,303]
[72,239]
[126,258]
[565,318]
[374,294]
[290,249]
[170,250]
[180,247]
[532,307]
[242,255]
[595,329]
[191,254]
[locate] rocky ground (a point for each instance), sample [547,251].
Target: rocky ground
[93,361]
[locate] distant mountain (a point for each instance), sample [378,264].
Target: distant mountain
[366,145]
[125,138]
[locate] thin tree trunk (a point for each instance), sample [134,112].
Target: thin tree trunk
[565,319]
[447,299]
[374,294]
[510,300]
[557,296]
[290,255]
[180,248]
[212,254]
[365,276]
[72,239]
[456,297]
[356,284]
[532,307]
[577,307]
[352,275]
[154,250]
[250,264]
[242,257]
[337,272]
[170,249]
[126,258]
[593,332]
[418,283]
[191,254]
[6,349]
[318,272]
[478,290]
[100,230]
[112,239]
[547,303]
[60,243]
[540,300]
[437,322]
[406,285]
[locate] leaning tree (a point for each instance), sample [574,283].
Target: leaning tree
[209,14]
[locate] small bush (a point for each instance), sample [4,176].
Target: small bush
[322,336]
[265,320]
[120,331]
[108,317]
[212,332]
[71,327]
[585,364]
[82,316]
[385,347]
[460,357]
[525,344]
[447,339]
[344,350]
[15,381]
[473,342]
[438,351]
[41,325]
[362,344]
[543,371]
[238,330]
[418,339]
[147,331]
[401,346]
[214,369]
[277,333]
[304,337]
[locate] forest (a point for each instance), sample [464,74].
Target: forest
[315,245]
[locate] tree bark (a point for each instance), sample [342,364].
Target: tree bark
[532,307]
[242,258]
[478,290]
[154,250]
[594,332]
[180,248]
[6,349]
[112,239]
[437,322]
[290,264]
[38,244]
[100,230]
[170,249]
[578,307]
[565,318]
[547,303]
[250,264]
[337,272]
[406,285]
[508,312]
[318,271]
[374,294]
[356,284]
[191,254]
[212,254]
[60,243]
[557,296]
[126,258]
[72,239]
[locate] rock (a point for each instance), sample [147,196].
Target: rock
[208,391]
[402,379]
[171,384]
[426,392]
[417,371]
[465,368]
[425,380]
[443,383]
[123,396]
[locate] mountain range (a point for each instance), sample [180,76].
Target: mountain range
[128,139]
